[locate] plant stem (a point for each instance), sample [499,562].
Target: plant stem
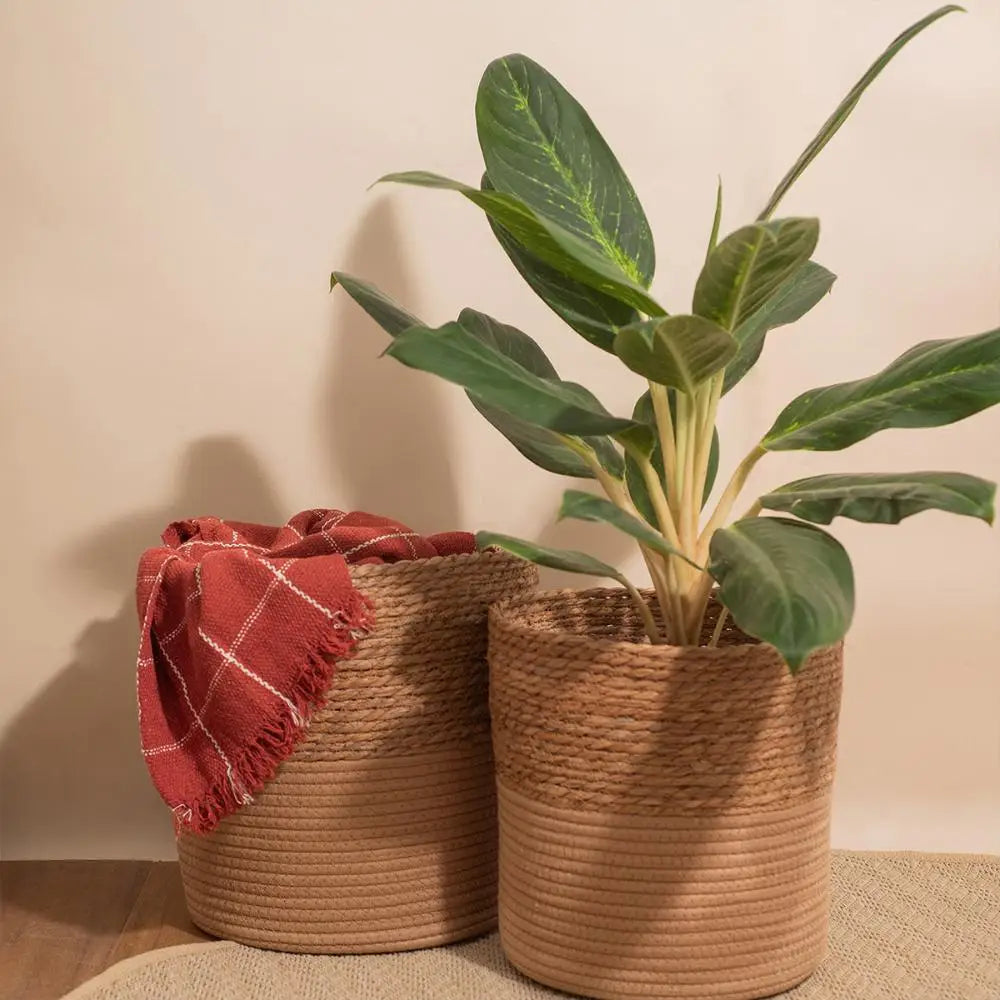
[659,573]
[659,501]
[685,466]
[614,488]
[729,497]
[719,626]
[618,495]
[676,607]
[698,604]
[692,506]
[753,510]
[648,622]
[707,429]
[665,428]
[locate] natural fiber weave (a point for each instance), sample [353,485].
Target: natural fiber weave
[664,812]
[378,833]
[903,927]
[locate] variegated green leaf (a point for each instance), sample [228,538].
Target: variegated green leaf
[785,582]
[587,507]
[547,240]
[592,314]
[934,383]
[847,105]
[393,318]
[454,354]
[749,266]
[792,299]
[537,444]
[567,560]
[541,146]
[677,351]
[883,497]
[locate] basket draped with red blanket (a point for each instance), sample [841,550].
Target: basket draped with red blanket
[314,711]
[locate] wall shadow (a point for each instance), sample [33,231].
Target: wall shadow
[390,446]
[70,759]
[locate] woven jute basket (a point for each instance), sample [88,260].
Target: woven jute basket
[664,811]
[378,833]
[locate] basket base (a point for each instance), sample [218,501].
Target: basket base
[616,907]
[353,856]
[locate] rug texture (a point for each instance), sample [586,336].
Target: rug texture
[903,927]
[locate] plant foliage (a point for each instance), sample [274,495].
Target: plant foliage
[567,216]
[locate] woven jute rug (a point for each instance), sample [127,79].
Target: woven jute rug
[903,927]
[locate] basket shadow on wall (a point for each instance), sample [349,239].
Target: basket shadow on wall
[70,767]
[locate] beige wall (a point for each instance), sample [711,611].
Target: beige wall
[176,182]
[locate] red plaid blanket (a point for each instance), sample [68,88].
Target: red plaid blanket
[240,627]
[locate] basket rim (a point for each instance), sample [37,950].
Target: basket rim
[506,615]
[434,562]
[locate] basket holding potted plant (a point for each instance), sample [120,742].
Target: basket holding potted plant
[665,757]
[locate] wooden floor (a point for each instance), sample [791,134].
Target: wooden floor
[63,922]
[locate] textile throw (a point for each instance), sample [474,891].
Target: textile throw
[241,626]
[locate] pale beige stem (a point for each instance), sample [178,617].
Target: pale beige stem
[685,470]
[719,626]
[648,622]
[698,605]
[657,567]
[665,429]
[618,495]
[658,499]
[728,498]
[707,427]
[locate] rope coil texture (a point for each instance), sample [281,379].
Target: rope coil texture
[378,833]
[664,812]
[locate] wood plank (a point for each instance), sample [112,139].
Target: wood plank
[64,922]
[159,918]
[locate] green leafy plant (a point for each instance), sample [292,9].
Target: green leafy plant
[568,218]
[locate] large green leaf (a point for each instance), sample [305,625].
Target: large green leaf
[785,582]
[542,147]
[792,299]
[594,315]
[537,444]
[394,319]
[455,354]
[568,560]
[934,383]
[587,507]
[643,413]
[883,497]
[509,341]
[749,266]
[565,251]
[677,351]
[846,106]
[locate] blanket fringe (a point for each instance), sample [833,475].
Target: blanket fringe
[282,731]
